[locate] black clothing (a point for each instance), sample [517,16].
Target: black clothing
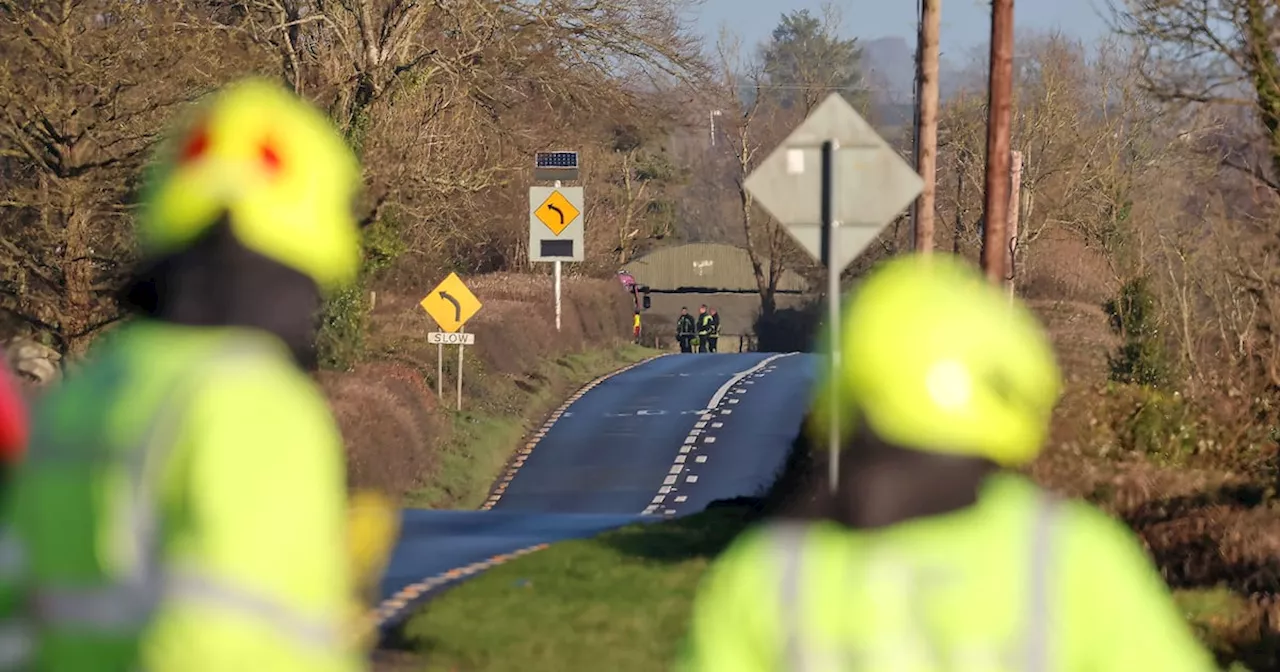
[217,281]
[704,332]
[685,332]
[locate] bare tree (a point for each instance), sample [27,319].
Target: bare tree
[749,131]
[1221,52]
[79,108]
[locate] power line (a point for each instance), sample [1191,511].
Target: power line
[548,81]
[814,87]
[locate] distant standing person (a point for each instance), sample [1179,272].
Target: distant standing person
[713,335]
[685,330]
[704,329]
[636,328]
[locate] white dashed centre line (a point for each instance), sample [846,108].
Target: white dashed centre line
[728,392]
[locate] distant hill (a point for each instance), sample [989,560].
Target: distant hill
[890,67]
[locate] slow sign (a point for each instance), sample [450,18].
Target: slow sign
[455,338]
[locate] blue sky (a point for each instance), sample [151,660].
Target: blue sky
[965,23]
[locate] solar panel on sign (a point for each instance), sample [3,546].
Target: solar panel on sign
[556,160]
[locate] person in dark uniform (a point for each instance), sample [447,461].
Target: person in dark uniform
[713,335]
[704,329]
[685,330]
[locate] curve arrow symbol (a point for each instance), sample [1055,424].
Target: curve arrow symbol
[457,307]
[558,211]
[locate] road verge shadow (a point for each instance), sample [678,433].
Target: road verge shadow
[705,534]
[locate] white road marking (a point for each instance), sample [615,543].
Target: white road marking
[714,408]
[729,384]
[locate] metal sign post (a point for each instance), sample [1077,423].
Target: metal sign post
[557,282]
[829,229]
[441,338]
[461,347]
[834,220]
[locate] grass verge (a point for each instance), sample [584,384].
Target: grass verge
[497,412]
[619,601]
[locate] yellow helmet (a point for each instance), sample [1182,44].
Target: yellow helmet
[935,358]
[275,165]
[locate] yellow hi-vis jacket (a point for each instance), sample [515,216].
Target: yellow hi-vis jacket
[1020,582]
[182,510]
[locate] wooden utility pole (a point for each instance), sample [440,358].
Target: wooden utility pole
[999,113]
[927,117]
[1015,213]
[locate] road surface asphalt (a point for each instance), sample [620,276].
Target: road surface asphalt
[661,439]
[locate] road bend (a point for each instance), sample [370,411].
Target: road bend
[661,439]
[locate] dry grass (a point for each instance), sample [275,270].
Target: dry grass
[1206,518]
[394,425]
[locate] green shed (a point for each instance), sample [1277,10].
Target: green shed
[705,267]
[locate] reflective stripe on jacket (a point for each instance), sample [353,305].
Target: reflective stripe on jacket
[1016,583]
[183,509]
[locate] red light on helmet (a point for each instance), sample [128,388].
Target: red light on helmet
[270,156]
[195,147]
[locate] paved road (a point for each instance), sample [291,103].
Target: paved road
[661,439]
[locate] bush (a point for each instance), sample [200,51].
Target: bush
[1143,358]
[344,317]
[1162,425]
[789,329]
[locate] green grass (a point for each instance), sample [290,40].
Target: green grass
[1207,605]
[497,412]
[1219,617]
[617,602]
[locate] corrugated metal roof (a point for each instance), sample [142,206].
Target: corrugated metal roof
[704,266]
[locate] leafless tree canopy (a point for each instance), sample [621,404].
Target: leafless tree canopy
[445,101]
[1150,156]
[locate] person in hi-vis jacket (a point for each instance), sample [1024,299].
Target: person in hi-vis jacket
[183,506]
[933,554]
